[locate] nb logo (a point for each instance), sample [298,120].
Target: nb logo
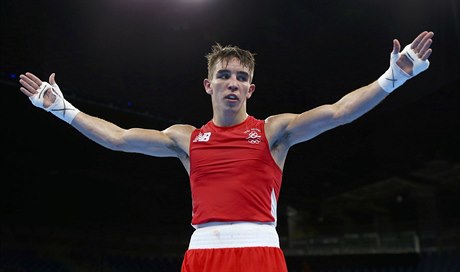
[202,137]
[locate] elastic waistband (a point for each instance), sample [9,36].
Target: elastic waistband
[234,234]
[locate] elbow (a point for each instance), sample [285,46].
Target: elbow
[113,142]
[346,119]
[116,144]
[343,116]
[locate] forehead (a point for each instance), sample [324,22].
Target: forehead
[232,64]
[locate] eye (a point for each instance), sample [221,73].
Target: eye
[242,78]
[223,75]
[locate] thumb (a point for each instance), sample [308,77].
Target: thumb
[52,81]
[396,46]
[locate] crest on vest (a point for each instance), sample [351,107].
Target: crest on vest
[253,136]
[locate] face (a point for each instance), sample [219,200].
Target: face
[230,86]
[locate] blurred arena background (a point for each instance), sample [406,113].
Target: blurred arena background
[378,195]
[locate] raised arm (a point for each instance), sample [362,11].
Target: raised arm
[285,130]
[171,142]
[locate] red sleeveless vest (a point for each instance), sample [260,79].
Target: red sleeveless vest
[233,176]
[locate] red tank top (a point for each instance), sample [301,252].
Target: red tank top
[233,176]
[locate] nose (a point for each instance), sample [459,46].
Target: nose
[233,84]
[232,87]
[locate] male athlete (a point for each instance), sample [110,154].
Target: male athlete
[235,161]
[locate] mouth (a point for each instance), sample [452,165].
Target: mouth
[231,97]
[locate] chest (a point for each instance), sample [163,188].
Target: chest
[212,146]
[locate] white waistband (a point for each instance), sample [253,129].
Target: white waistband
[234,234]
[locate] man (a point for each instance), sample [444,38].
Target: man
[235,161]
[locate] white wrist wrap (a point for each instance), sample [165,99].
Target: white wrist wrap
[61,107]
[395,76]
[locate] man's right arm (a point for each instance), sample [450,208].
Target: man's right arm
[171,142]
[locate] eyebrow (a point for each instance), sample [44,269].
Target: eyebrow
[240,73]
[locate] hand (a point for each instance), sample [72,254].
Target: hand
[421,47]
[31,85]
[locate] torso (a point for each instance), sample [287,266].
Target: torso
[233,175]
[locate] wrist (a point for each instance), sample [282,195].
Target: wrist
[60,107]
[393,78]
[63,109]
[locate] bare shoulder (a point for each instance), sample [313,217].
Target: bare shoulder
[276,126]
[179,132]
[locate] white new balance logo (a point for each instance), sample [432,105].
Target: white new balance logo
[202,137]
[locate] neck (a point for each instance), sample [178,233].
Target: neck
[229,119]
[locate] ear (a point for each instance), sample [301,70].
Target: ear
[207,86]
[252,89]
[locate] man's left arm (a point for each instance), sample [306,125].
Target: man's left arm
[296,128]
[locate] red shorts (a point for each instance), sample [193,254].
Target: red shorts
[234,247]
[244,259]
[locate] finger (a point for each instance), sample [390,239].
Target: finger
[418,39]
[426,55]
[396,46]
[26,92]
[34,78]
[422,44]
[52,81]
[28,83]
[424,48]
[27,87]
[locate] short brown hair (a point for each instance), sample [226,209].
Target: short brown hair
[228,52]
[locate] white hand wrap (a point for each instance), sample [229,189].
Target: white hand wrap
[61,107]
[395,76]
